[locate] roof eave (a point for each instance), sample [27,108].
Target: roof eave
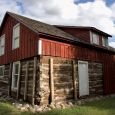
[83,27]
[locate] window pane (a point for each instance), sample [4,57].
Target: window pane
[95,38]
[2,41]
[15,75]
[16,69]
[2,44]
[16,31]
[16,35]
[15,81]
[2,50]
[106,42]
[16,42]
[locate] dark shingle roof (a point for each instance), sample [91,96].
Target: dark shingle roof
[50,30]
[84,27]
[41,27]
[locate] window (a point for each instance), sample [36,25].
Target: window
[104,41]
[2,45]
[94,38]
[1,71]
[16,36]
[15,75]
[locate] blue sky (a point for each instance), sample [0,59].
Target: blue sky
[108,2]
[96,13]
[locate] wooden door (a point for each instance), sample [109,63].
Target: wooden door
[83,78]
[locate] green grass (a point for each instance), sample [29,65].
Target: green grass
[102,107]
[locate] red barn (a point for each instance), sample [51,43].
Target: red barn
[42,63]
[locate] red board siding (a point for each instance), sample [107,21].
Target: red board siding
[28,42]
[79,33]
[83,53]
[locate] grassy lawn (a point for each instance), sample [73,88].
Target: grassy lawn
[102,107]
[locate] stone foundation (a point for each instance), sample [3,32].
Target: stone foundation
[44,81]
[63,82]
[95,78]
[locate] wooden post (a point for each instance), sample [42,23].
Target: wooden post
[34,80]
[51,80]
[18,82]
[10,80]
[74,79]
[26,81]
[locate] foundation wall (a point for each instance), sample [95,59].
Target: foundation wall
[43,82]
[63,81]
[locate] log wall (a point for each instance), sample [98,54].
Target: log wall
[56,79]
[4,81]
[95,78]
[63,82]
[27,81]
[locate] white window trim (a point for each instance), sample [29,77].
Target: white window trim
[3,70]
[15,88]
[3,36]
[103,42]
[39,47]
[91,37]
[14,38]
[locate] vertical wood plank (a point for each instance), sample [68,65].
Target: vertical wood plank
[18,82]
[26,81]
[34,80]
[74,79]
[10,80]
[51,80]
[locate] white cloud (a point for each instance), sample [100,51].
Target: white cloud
[112,44]
[6,5]
[65,12]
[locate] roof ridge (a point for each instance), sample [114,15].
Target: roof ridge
[44,28]
[84,27]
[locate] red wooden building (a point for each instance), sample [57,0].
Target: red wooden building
[42,63]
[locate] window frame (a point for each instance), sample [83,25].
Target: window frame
[92,38]
[104,41]
[15,38]
[13,75]
[2,46]
[2,66]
